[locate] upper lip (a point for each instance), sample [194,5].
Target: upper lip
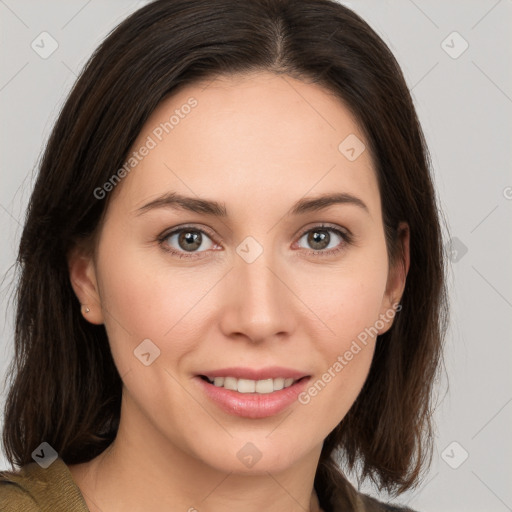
[271,372]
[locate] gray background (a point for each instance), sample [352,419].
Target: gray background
[464,104]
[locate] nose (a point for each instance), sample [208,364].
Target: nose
[257,301]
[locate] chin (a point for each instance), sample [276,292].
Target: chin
[254,453]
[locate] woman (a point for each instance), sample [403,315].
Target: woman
[231,289]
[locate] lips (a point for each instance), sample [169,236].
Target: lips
[252,393]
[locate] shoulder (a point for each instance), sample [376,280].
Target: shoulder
[14,498]
[15,492]
[33,489]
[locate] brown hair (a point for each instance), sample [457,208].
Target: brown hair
[65,388]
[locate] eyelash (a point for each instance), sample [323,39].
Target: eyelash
[345,235]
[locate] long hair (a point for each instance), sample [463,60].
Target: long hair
[64,387]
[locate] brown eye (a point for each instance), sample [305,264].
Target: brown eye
[186,240]
[190,240]
[318,239]
[324,239]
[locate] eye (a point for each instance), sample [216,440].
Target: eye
[321,240]
[190,242]
[186,240]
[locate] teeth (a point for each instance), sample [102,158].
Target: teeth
[218,381]
[264,386]
[230,383]
[278,384]
[251,386]
[246,386]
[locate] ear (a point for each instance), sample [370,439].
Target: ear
[396,278]
[82,274]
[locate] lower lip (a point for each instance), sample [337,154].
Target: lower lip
[253,405]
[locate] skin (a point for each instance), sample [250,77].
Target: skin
[258,143]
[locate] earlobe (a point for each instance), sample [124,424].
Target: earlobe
[82,275]
[397,278]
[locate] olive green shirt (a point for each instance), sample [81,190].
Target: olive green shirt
[34,489]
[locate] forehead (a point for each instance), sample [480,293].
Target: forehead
[250,137]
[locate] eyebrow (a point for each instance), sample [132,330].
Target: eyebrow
[180,202]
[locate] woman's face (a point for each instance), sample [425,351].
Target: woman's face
[265,284]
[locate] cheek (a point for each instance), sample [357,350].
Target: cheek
[331,393]
[349,305]
[344,361]
[349,298]
[141,301]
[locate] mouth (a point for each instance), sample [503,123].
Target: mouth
[262,387]
[267,393]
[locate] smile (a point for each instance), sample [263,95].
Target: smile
[252,393]
[263,387]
